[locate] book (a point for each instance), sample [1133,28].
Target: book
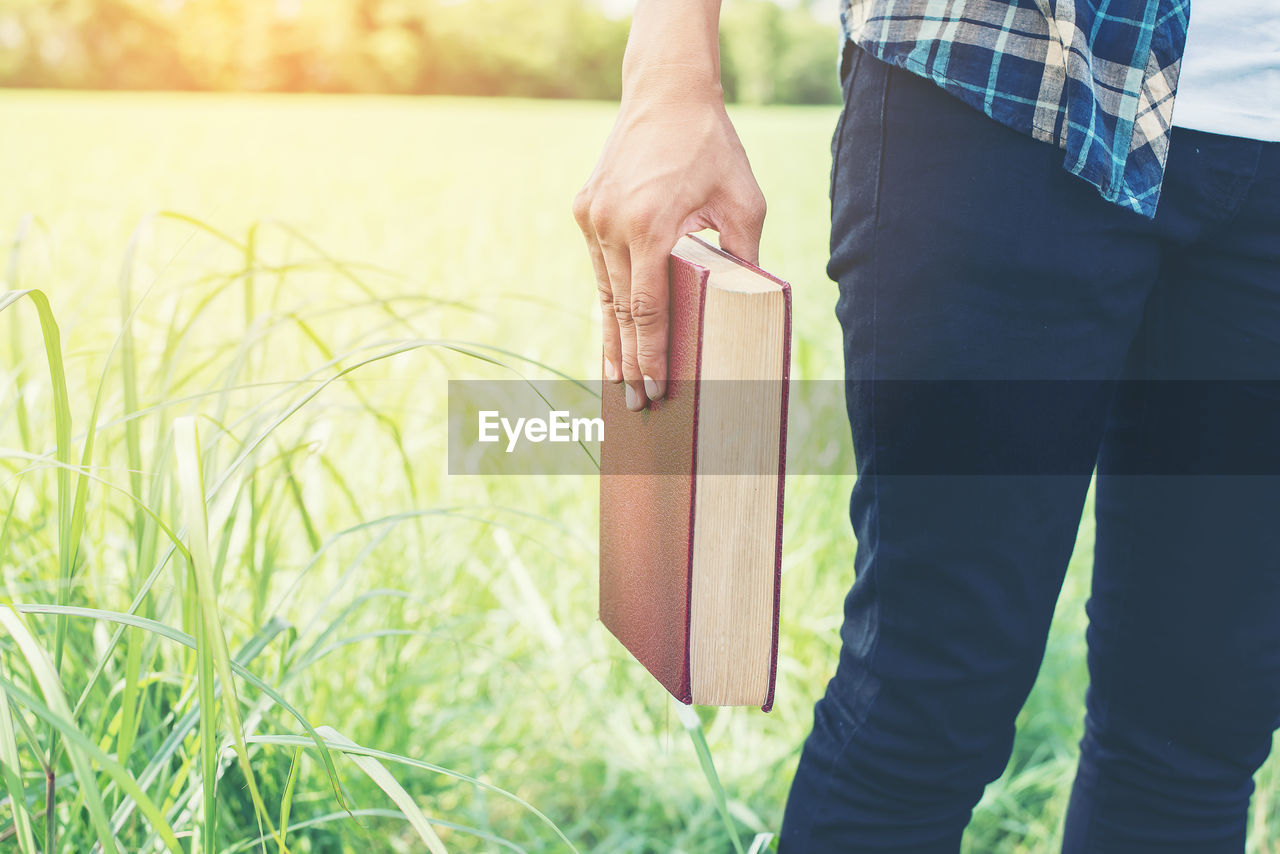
[691,488]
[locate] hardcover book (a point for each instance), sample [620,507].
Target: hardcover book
[691,488]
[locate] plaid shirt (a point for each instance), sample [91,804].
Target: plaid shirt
[1095,77]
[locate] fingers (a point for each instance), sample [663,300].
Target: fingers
[611,344]
[617,260]
[649,314]
[630,265]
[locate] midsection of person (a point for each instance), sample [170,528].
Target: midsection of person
[971,247]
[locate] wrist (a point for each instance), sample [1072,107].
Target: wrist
[672,82]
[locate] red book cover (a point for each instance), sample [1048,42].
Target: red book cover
[648,477]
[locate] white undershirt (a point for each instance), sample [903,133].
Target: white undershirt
[1229,82]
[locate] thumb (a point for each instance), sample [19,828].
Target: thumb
[740,230]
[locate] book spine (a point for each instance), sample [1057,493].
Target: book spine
[782,479]
[686,694]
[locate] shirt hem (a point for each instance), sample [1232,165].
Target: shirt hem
[1113,193]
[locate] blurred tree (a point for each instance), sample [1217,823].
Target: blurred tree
[771,55]
[534,48]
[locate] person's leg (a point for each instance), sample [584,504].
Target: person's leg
[1184,633]
[965,256]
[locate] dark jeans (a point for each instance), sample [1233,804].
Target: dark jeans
[965,252]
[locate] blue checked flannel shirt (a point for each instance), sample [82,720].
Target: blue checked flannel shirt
[1095,77]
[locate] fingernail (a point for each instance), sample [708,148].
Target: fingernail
[633,399]
[610,372]
[652,388]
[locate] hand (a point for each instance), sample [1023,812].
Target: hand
[673,164]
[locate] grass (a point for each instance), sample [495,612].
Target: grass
[247,608]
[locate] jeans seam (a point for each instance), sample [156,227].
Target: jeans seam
[875,352]
[1105,701]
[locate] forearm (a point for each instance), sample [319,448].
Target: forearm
[672,164]
[673,50]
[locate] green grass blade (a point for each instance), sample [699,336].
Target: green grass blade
[208,735]
[62,439]
[213,655]
[15,331]
[329,818]
[129,717]
[62,432]
[299,741]
[286,800]
[7,527]
[12,770]
[693,725]
[82,750]
[46,676]
[161,758]
[379,775]
[190,643]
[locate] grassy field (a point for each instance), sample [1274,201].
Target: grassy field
[237,464]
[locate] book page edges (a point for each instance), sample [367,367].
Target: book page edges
[782,480]
[782,455]
[714,679]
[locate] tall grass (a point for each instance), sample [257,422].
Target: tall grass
[174,743]
[194,708]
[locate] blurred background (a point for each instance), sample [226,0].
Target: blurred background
[772,52]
